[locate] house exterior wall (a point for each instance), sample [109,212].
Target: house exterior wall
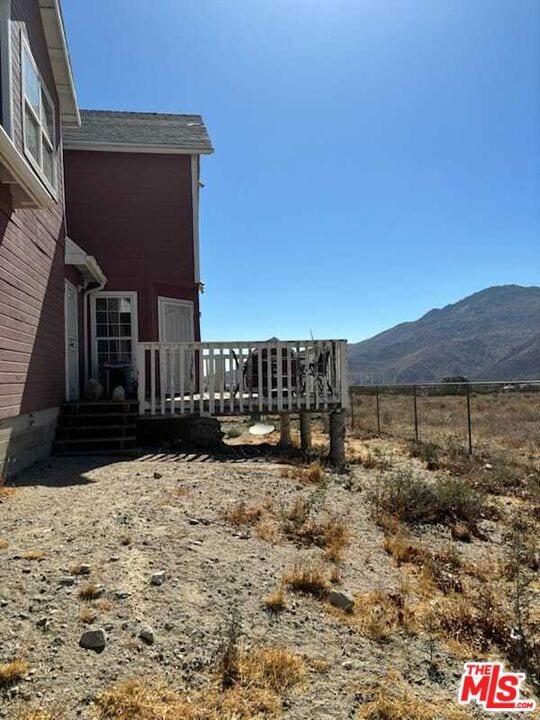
[133,212]
[32,379]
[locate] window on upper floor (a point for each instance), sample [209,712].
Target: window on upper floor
[38,115]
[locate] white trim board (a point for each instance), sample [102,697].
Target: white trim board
[195,169]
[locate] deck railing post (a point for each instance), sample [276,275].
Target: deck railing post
[141,377]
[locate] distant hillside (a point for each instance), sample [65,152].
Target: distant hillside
[491,335]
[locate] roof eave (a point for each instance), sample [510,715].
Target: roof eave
[150,149]
[53,26]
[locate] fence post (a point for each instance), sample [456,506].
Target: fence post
[415,415]
[351,405]
[378,411]
[469,427]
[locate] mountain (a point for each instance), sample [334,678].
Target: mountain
[491,335]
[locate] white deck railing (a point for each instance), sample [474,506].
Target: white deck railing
[236,378]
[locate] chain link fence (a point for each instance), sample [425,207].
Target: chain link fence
[487,416]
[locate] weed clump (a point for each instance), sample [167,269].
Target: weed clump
[310,578]
[412,499]
[13,671]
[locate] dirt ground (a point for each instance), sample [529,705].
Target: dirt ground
[131,519]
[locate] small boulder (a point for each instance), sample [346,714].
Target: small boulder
[147,635]
[341,600]
[94,639]
[85,569]
[67,581]
[158,578]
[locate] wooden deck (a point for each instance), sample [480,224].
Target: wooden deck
[241,378]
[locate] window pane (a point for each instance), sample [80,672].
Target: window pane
[48,163]
[125,305]
[125,330]
[113,304]
[32,87]
[47,116]
[32,134]
[101,303]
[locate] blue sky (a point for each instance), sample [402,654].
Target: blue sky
[374,158]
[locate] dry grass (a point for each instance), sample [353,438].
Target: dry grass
[378,614]
[4,544]
[243,514]
[103,605]
[313,474]
[477,621]
[34,555]
[37,714]
[276,601]
[267,529]
[439,569]
[394,699]
[308,577]
[261,677]
[506,423]
[6,492]
[141,700]
[87,616]
[272,668]
[90,591]
[13,672]
[330,532]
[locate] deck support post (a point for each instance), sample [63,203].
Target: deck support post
[305,431]
[337,438]
[285,430]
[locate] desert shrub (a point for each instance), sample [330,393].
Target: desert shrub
[427,452]
[412,499]
[378,614]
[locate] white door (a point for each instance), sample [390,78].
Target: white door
[176,325]
[175,320]
[71,314]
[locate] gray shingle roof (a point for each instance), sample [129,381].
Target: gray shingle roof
[160,130]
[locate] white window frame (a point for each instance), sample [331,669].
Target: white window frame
[37,165]
[175,301]
[132,295]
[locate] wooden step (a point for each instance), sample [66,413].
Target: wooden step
[112,452]
[89,441]
[93,428]
[72,416]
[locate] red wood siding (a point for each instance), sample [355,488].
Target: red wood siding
[133,212]
[32,375]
